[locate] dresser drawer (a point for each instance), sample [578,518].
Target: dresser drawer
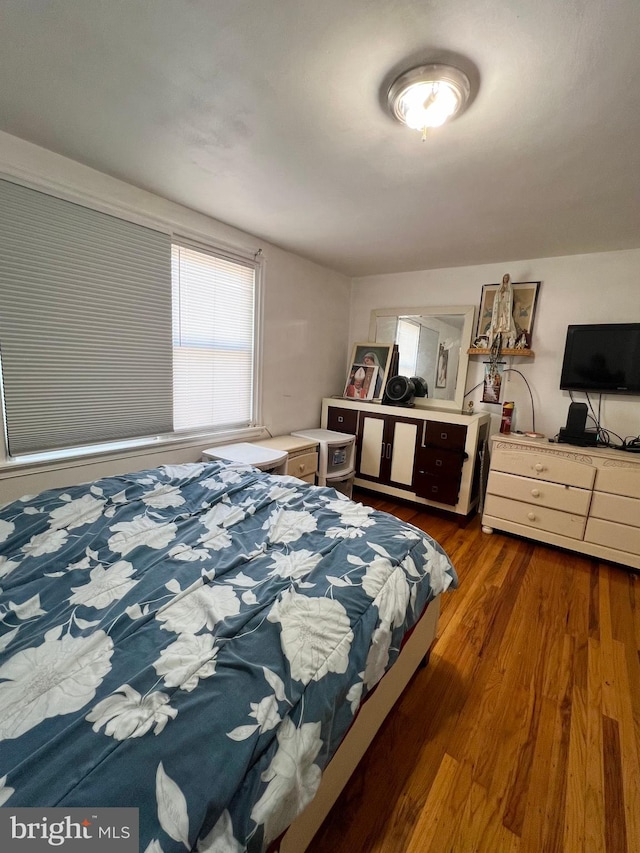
[539,492]
[445,490]
[439,462]
[612,535]
[615,508]
[448,436]
[342,420]
[302,465]
[536,517]
[619,478]
[543,466]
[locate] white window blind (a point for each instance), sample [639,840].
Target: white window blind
[213,339]
[407,340]
[85,324]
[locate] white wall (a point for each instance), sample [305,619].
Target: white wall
[305,310]
[597,288]
[306,323]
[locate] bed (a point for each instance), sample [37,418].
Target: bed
[197,641]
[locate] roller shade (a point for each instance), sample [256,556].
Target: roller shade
[85,324]
[213,339]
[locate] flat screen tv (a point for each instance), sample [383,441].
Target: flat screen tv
[603,358]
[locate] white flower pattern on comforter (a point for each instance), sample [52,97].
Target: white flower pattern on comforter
[194,641]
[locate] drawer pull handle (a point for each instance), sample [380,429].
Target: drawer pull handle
[301,467]
[535,493]
[340,419]
[531,516]
[444,436]
[438,462]
[539,467]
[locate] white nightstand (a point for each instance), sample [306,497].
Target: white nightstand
[302,455]
[272,460]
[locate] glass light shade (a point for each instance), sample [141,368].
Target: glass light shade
[428,96]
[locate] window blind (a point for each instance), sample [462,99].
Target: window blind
[213,339]
[85,324]
[407,340]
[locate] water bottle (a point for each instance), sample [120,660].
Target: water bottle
[507,417]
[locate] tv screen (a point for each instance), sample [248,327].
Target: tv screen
[603,358]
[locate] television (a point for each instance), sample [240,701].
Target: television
[603,358]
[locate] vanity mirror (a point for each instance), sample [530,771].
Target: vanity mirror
[433,344]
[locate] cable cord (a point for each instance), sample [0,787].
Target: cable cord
[511,370]
[471,390]
[533,410]
[603,436]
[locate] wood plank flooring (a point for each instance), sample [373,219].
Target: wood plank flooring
[523,733]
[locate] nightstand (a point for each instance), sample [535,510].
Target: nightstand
[272,460]
[303,455]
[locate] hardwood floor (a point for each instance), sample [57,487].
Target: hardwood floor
[523,733]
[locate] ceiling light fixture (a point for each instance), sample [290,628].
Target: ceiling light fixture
[428,96]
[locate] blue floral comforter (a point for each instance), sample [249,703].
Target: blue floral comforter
[194,641]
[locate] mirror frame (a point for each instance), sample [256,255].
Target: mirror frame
[468,313]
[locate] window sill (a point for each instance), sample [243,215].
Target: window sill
[77,459]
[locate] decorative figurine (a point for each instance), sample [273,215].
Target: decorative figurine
[502,322]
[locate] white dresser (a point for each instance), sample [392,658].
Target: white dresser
[584,499]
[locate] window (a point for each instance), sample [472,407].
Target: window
[408,335]
[213,339]
[111,334]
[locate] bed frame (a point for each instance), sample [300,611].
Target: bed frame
[369,719]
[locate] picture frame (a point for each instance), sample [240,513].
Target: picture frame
[371,354]
[361,382]
[525,297]
[492,384]
[443,362]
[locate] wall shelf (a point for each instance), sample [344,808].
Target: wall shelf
[521,353]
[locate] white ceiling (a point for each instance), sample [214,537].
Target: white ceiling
[269,116]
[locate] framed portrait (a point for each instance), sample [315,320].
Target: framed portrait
[376,355]
[443,362]
[361,382]
[492,385]
[525,296]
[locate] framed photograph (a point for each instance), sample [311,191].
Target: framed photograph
[525,295]
[371,355]
[361,382]
[492,384]
[441,372]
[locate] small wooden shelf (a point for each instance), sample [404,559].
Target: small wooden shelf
[522,353]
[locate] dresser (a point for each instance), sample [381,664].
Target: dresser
[583,499]
[426,456]
[302,461]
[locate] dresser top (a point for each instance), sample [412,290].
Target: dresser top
[417,412]
[561,448]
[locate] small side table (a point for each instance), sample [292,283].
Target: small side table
[302,455]
[274,461]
